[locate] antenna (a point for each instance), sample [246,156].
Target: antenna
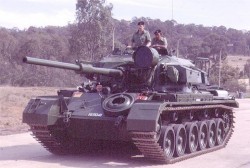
[172,9]
[113,38]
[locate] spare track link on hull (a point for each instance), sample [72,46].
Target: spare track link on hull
[149,146]
[42,134]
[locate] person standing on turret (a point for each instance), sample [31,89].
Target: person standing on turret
[141,37]
[160,43]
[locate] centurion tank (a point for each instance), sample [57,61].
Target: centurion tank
[163,105]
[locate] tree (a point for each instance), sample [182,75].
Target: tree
[91,36]
[215,45]
[247,68]
[229,77]
[8,45]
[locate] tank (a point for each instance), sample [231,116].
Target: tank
[162,105]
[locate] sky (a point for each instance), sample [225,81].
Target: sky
[40,13]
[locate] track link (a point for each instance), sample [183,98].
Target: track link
[43,135]
[149,146]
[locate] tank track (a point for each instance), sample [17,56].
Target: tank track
[148,143]
[43,135]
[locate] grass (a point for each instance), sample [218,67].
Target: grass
[237,61]
[12,103]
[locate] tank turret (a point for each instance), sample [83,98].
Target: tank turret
[119,73]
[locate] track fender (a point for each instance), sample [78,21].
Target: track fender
[143,116]
[42,111]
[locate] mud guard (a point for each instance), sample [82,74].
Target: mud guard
[143,116]
[42,111]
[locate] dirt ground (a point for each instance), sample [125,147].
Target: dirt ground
[12,103]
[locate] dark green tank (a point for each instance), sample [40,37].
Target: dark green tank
[161,104]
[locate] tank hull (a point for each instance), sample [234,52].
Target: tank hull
[84,123]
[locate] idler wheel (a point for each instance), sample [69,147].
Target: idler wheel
[202,135]
[180,139]
[167,141]
[192,137]
[220,133]
[118,104]
[211,133]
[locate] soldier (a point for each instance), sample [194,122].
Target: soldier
[160,43]
[141,37]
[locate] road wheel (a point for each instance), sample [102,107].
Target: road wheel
[220,133]
[192,137]
[167,141]
[180,139]
[202,135]
[211,133]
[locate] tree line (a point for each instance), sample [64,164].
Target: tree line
[91,38]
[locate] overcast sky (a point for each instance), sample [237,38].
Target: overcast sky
[40,13]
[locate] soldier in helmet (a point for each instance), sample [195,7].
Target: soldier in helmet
[141,37]
[160,43]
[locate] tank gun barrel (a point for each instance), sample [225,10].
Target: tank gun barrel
[49,63]
[79,68]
